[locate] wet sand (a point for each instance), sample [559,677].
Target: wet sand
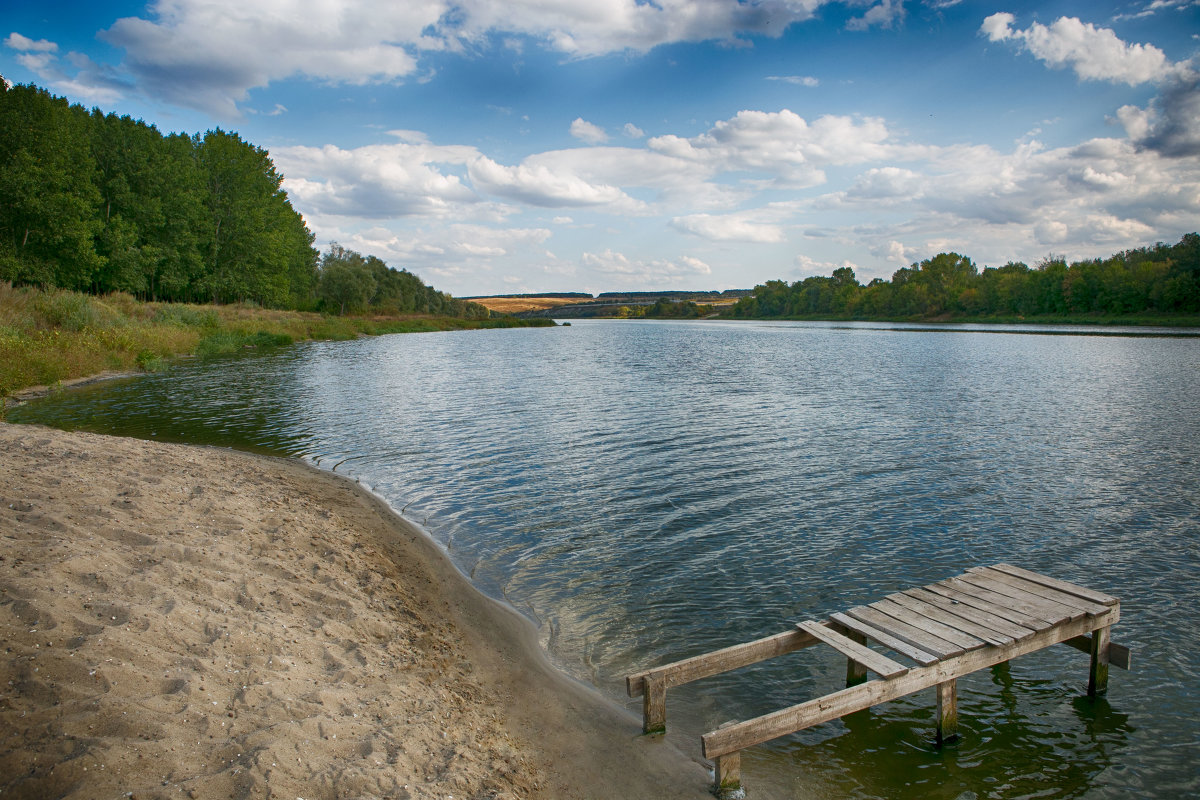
[193,622]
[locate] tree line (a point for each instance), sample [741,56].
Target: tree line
[101,203]
[1163,279]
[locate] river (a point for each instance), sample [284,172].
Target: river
[646,491]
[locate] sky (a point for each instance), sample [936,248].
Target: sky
[524,146]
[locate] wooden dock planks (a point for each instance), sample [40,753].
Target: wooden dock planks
[949,629]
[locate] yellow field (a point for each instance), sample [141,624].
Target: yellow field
[514,305]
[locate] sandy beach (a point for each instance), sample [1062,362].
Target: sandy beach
[194,622]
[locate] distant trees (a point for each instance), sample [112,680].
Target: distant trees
[349,282]
[1162,278]
[100,203]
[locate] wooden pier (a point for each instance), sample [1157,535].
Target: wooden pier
[935,635]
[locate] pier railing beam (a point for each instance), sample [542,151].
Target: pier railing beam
[947,711]
[1098,674]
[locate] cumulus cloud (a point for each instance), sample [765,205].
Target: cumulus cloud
[376,181]
[633,131]
[1171,126]
[24,44]
[539,185]
[784,145]
[618,270]
[585,131]
[1093,53]
[728,228]
[883,14]
[92,82]
[208,54]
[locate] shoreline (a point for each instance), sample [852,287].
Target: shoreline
[183,621]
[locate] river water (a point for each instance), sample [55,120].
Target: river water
[648,491]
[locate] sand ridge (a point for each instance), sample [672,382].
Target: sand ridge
[194,622]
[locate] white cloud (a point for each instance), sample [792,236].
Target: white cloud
[376,181]
[884,14]
[208,54]
[1171,126]
[783,145]
[540,185]
[633,131]
[728,228]
[24,44]
[1094,53]
[585,131]
[796,80]
[621,272]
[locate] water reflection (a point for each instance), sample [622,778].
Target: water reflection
[646,492]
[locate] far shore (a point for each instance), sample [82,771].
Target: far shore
[194,622]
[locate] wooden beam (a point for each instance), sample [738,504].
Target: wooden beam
[976,598]
[1098,673]
[879,664]
[856,673]
[884,638]
[931,626]
[939,614]
[1062,586]
[979,587]
[905,632]
[727,781]
[654,704]
[987,619]
[729,658]
[1119,655]
[1041,590]
[947,711]
[789,720]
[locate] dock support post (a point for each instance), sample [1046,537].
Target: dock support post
[654,705]
[1098,674]
[728,778]
[856,673]
[947,711]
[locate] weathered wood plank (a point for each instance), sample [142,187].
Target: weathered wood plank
[947,711]
[877,663]
[952,619]
[905,632]
[1098,673]
[977,598]
[1062,598]
[1017,593]
[931,626]
[1062,586]
[789,720]
[884,638]
[1119,655]
[654,704]
[994,622]
[729,658]
[991,592]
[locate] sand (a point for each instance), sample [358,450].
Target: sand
[193,622]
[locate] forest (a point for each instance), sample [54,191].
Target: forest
[100,203]
[1162,280]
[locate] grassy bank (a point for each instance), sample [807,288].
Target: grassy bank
[52,336]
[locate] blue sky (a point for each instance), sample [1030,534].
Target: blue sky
[504,146]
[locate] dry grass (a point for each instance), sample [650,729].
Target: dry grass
[52,336]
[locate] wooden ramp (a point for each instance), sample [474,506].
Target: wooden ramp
[929,636]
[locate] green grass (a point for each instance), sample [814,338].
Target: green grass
[51,336]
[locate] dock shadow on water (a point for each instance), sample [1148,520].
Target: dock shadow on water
[650,491]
